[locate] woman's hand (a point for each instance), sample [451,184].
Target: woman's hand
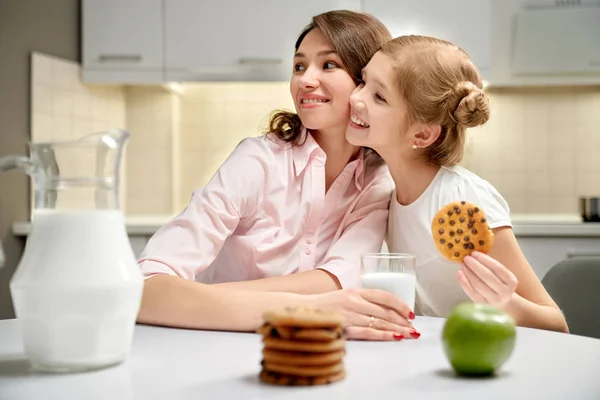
[486,280]
[370,314]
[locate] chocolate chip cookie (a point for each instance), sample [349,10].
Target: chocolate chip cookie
[460,228]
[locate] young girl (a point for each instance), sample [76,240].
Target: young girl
[418,96]
[289,212]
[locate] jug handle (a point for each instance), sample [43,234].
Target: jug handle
[22,163]
[2,257]
[9,163]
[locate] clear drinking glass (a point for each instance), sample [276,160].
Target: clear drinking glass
[392,272]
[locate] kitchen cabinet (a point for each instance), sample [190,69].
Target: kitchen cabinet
[237,40]
[545,252]
[467,23]
[156,41]
[545,43]
[122,41]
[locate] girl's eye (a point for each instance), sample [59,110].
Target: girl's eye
[299,68]
[330,65]
[378,97]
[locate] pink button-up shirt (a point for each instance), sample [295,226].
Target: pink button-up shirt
[265,213]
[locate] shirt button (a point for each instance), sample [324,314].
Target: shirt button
[307,251]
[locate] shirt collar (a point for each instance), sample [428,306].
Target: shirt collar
[310,149]
[359,175]
[302,153]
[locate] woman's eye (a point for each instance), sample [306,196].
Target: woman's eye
[299,68]
[329,65]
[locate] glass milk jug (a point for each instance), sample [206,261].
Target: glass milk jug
[77,289]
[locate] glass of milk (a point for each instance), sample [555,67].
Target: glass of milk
[392,272]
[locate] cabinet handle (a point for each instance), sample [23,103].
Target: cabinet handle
[260,61]
[1,256]
[120,57]
[582,253]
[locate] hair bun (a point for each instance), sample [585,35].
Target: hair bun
[468,104]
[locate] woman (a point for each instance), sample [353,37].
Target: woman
[418,96]
[290,212]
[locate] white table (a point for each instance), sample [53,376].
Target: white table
[185,364]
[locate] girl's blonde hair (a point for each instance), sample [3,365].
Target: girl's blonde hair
[441,86]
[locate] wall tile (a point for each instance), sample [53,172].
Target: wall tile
[547,135]
[562,185]
[41,71]
[587,183]
[42,102]
[149,118]
[564,205]
[538,205]
[41,127]
[62,127]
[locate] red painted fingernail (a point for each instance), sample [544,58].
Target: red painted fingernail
[411,315]
[415,334]
[398,336]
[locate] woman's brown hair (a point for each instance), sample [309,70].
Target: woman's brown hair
[441,86]
[356,37]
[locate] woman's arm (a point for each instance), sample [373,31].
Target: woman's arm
[505,279]
[305,282]
[369,314]
[172,301]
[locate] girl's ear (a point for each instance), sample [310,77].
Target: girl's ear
[426,135]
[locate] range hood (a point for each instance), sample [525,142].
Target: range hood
[559,41]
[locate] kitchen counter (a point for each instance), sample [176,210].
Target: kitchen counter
[136,226]
[525,225]
[553,225]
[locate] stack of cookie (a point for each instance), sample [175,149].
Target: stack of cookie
[302,346]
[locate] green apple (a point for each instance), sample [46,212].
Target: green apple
[478,338]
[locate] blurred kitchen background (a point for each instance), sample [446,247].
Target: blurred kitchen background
[189,79]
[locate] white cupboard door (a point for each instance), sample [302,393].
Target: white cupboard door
[237,39]
[122,34]
[467,23]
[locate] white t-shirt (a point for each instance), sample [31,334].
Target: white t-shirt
[409,231]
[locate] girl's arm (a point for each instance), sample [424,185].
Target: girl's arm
[505,279]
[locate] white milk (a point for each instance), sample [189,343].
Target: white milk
[77,290]
[400,284]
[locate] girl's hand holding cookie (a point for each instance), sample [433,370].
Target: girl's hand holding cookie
[486,280]
[370,314]
[461,234]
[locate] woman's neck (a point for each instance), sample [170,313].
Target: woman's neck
[411,177]
[339,152]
